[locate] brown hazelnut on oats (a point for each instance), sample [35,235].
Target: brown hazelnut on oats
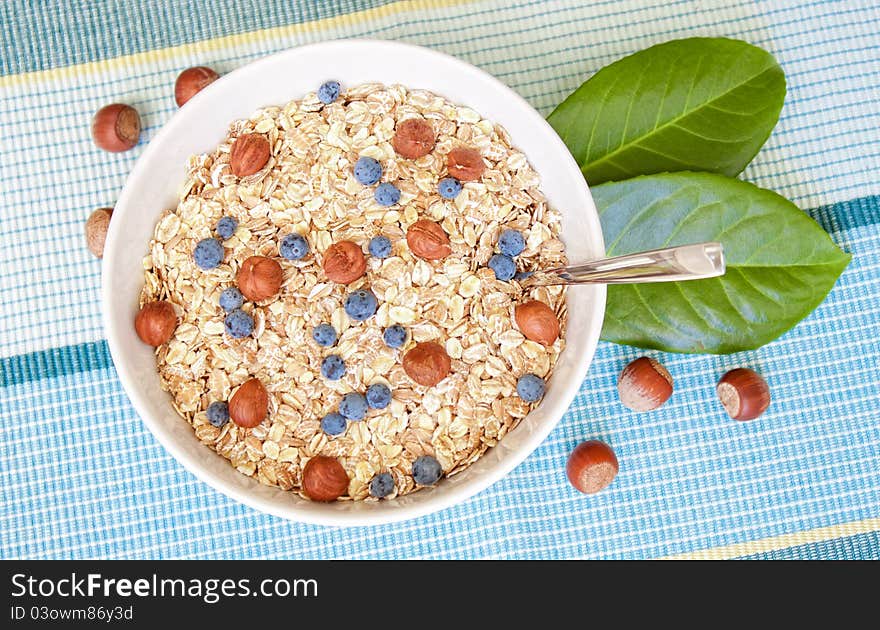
[96,230]
[426,239]
[344,262]
[744,394]
[249,154]
[259,278]
[192,81]
[324,479]
[537,322]
[414,138]
[644,385]
[249,404]
[591,466]
[116,127]
[465,164]
[427,363]
[155,322]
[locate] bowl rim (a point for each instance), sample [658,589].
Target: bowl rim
[290,511]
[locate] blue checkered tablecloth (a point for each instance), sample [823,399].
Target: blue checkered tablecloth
[80,475]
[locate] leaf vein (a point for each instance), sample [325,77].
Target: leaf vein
[636,141]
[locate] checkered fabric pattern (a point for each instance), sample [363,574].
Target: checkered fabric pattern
[80,475]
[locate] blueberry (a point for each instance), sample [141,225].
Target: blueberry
[208,253]
[328,92]
[449,187]
[530,387]
[239,324]
[333,423]
[333,367]
[382,485]
[361,305]
[226,227]
[293,247]
[511,243]
[353,406]
[367,171]
[387,194]
[324,335]
[378,396]
[426,470]
[522,275]
[231,299]
[380,246]
[394,336]
[218,413]
[503,266]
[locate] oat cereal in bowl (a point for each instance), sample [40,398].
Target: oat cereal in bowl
[335,301]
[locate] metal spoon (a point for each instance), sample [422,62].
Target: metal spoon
[685,262]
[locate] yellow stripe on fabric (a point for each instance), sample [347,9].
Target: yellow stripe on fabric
[784,541]
[227,41]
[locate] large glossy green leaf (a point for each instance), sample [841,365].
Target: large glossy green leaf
[780,262]
[700,104]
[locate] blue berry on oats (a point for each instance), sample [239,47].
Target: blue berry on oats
[333,423]
[218,413]
[208,253]
[387,194]
[231,299]
[353,406]
[367,171]
[394,336]
[328,92]
[511,243]
[333,367]
[530,387]
[426,470]
[226,227]
[324,335]
[378,396]
[239,324]
[293,247]
[361,304]
[381,485]
[380,246]
[503,266]
[449,187]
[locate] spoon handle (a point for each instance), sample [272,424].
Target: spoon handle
[685,262]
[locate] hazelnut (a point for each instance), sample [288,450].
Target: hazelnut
[465,164]
[116,127]
[744,394]
[344,262]
[644,385]
[426,239]
[324,479]
[155,322]
[249,404]
[537,322]
[427,363]
[249,154]
[414,138]
[96,230]
[259,278]
[591,466]
[192,81]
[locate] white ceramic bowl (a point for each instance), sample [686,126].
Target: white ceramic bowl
[201,125]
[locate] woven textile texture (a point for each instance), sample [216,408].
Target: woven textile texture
[81,476]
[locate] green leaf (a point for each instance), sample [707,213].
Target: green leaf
[780,263]
[695,104]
